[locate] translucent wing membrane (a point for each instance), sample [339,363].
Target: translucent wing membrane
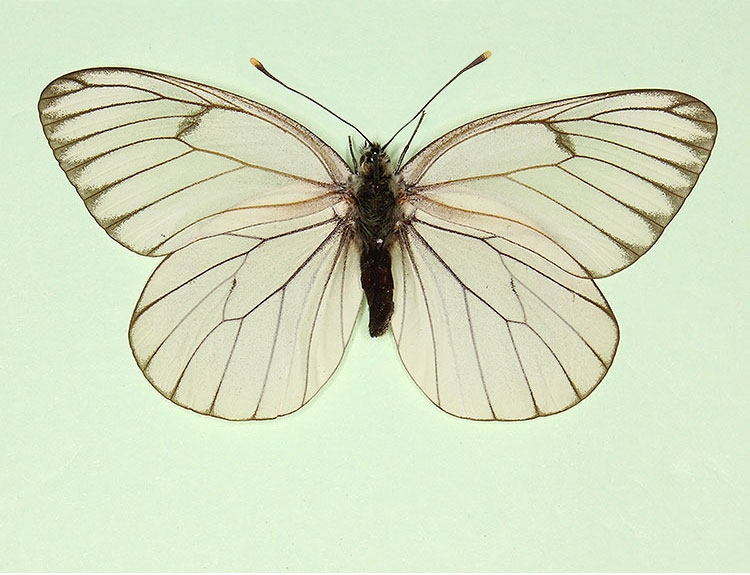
[515,331]
[501,228]
[510,218]
[250,314]
[601,175]
[249,324]
[152,155]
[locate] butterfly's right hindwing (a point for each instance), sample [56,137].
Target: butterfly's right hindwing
[493,320]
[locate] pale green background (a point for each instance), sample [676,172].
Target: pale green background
[98,472]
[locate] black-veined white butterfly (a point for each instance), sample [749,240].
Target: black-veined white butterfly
[479,252]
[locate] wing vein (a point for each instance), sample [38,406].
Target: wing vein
[226,367]
[476,354]
[523,370]
[576,214]
[670,137]
[406,246]
[342,241]
[662,159]
[505,255]
[272,354]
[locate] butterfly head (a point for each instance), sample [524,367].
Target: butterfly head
[375,160]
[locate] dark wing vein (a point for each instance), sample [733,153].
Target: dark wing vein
[407,248]
[502,255]
[478,362]
[273,353]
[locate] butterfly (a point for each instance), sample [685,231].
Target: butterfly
[479,253]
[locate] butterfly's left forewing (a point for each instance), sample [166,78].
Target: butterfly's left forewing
[152,155]
[249,314]
[509,219]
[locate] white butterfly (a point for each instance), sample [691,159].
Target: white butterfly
[480,251]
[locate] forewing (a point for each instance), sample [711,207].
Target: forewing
[251,322]
[493,320]
[153,156]
[600,175]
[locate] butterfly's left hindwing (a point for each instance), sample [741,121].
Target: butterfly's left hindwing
[251,323]
[250,313]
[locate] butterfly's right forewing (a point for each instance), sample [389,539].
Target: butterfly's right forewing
[153,155]
[602,175]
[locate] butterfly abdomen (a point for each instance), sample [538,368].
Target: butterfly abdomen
[375,189]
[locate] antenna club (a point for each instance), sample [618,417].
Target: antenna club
[476,61]
[256,63]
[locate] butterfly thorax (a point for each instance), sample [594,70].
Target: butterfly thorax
[375,189]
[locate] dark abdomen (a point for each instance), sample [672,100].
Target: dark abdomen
[377,282]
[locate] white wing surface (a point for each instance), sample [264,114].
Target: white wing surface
[250,323]
[249,314]
[152,155]
[512,216]
[600,175]
[493,320]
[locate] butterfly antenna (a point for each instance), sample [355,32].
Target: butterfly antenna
[475,62]
[408,144]
[354,158]
[262,68]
